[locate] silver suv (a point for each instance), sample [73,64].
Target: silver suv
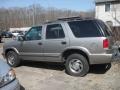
[76,42]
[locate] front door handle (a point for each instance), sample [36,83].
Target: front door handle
[63,42]
[39,43]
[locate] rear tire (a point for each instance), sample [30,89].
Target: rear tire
[77,65]
[13,59]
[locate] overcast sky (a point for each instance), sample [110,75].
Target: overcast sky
[78,5]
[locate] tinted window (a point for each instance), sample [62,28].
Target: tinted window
[34,33]
[54,31]
[84,28]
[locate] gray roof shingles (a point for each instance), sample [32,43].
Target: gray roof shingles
[100,1]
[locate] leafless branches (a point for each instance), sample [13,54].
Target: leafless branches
[34,15]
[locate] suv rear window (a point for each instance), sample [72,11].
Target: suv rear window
[85,28]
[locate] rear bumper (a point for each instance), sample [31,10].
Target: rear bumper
[100,58]
[113,55]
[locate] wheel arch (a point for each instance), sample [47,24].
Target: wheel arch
[11,49]
[68,52]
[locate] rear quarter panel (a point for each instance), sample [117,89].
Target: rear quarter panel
[93,44]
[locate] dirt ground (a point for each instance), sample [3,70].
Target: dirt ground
[52,76]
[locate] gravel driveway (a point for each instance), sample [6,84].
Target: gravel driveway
[51,76]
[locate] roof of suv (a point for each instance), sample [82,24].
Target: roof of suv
[62,20]
[69,19]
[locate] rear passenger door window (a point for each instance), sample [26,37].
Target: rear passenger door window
[54,31]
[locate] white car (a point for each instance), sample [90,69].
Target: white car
[16,33]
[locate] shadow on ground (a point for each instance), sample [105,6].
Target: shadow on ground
[45,65]
[96,69]
[21,87]
[99,69]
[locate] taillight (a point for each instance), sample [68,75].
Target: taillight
[105,43]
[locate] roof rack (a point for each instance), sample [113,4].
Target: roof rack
[65,19]
[49,21]
[69,18]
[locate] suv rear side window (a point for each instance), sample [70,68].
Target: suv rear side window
[105,28]
[84,29]
[54,31]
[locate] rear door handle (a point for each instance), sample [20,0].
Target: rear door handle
[39,43]
[63,42]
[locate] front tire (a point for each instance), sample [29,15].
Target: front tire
[13,59]
[77,65]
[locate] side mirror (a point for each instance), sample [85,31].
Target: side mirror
[20,38]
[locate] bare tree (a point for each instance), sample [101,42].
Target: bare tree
[34,15]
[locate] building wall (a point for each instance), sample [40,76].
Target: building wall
[112,15]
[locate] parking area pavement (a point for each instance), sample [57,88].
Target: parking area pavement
[51,76]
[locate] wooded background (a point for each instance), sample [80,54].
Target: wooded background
[34,15]
[17,17]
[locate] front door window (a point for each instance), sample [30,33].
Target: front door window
[34,34]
